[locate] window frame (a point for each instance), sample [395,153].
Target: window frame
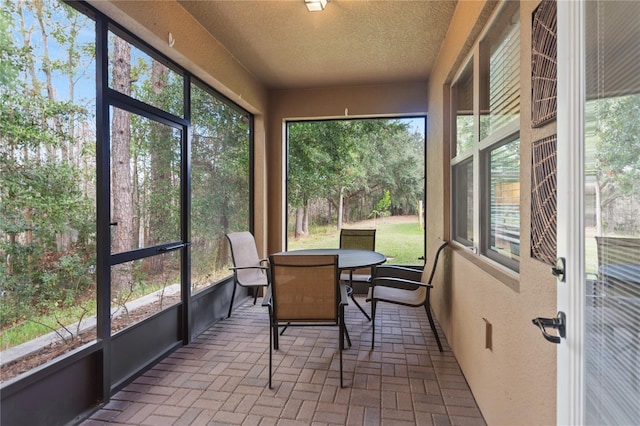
[485,211]
[479,154]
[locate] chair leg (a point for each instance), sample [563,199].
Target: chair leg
[255,294]
[284,328]
[346,334]
[433,326]
[341,343]
[373,322]
[274,331]
[233,296]
[359,307]
[270,348]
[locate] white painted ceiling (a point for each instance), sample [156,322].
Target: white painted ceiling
[351,42]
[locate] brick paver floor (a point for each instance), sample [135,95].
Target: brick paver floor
[221,378]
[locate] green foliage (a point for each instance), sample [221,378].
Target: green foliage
[47,222]
[9,57]
[618,147]
[358,158]
[401,242]
[383,206]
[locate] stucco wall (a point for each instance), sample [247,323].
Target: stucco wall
[514,383]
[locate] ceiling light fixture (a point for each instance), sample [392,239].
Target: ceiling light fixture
[315,5]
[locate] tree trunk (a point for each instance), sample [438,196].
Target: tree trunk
[299,231]
[305,218]
[346,209]
[340,207]
[598,209]
[121,188]
[135,195]
[223,256]
[161,151]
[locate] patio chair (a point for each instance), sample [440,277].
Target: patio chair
[392,286]
[248,269]
[304,291]
[619,265]
[363,239]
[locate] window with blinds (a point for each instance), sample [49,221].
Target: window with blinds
[500,72]
[503,169]
[612,213]
[463,106]
[485,158]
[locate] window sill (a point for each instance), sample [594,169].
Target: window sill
[506,276]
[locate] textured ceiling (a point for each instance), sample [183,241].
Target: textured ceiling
[350,42]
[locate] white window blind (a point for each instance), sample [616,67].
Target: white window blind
[463,101]
[504,193]
[501,92]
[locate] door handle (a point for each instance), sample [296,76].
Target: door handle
[559,323]
[560,269]
[167,249]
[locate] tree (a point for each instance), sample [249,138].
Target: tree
[47,223]
[617,152]
[307,168]
[121,182]
[219,179]
[351,163]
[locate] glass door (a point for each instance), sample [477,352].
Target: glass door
[147,164]
[599,211]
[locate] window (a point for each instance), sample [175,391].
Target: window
[47,181]
[463,107]
[60,163]
[357,173]
[502,231]
[463,202]
[485,164]
[500,72]
[220,158]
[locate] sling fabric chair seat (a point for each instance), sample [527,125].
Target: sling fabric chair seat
[304,291]
[392,286]
[362,239]
[248,270]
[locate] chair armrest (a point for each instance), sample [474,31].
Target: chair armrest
[396,271]
[397,282]
[344,298]
[266,300]
[237,268]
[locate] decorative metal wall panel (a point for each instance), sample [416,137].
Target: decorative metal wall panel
[544,64]
[544,200]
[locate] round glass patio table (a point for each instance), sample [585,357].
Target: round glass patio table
[347,258]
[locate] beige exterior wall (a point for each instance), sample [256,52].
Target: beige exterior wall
[514,383]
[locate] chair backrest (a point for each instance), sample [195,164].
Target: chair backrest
[618,250]
[304,288]
[435,264]
[363,239]
[244,253]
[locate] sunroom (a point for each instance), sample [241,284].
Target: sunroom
[135,134]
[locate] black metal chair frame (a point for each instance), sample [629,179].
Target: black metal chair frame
[382,279]
[263,265]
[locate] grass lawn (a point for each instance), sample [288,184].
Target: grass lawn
[398,237]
